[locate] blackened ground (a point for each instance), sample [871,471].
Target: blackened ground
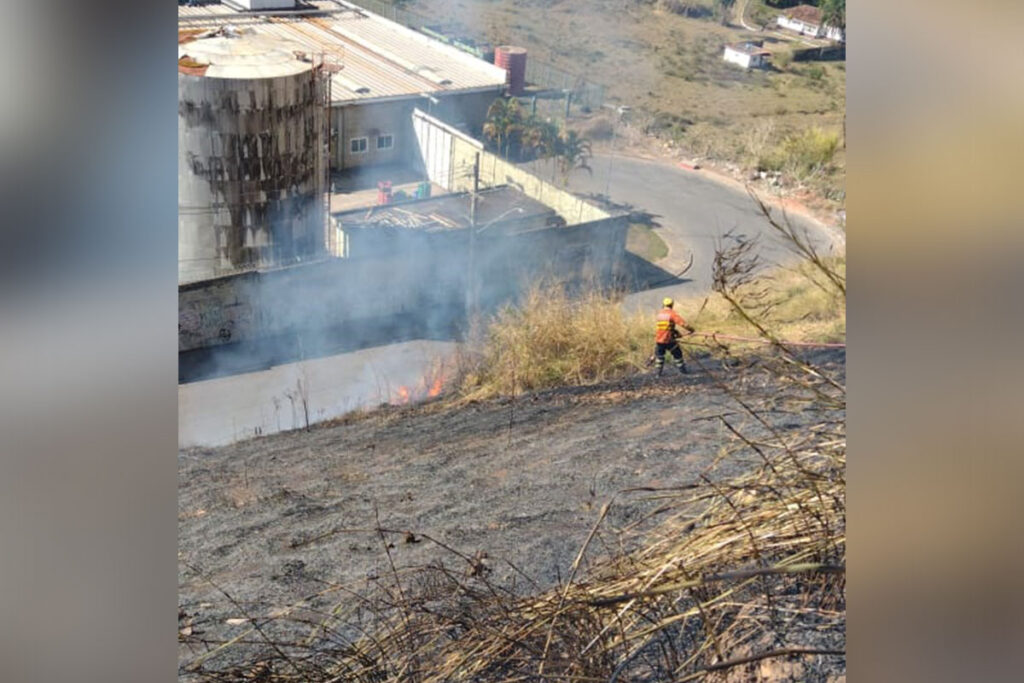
[270,520]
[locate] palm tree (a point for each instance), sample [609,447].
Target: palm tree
[833,13]
[504,120]
[540,137]
[531,137]
[575,152]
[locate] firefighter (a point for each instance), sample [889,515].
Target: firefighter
[666,336]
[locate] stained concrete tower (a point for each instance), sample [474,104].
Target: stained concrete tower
[251,154]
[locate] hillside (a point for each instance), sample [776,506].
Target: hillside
[509,488]
[664,59]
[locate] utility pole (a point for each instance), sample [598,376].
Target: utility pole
[325,80]
[611,158]
[476,188]
[471,302]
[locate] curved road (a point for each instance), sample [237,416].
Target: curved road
[693,212]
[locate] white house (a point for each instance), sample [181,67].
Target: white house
[749,55]
[806,20]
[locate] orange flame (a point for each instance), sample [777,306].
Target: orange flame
[430,386]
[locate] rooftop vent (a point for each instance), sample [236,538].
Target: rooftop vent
[430,73]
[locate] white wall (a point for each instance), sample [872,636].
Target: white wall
[812,30]
[799,26]
[435,144]
[833,33]
[737,57]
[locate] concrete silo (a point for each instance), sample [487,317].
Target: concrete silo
[252,163]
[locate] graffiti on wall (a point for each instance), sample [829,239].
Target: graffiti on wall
[207,322]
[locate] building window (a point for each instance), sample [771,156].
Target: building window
[385,141]
[357,145]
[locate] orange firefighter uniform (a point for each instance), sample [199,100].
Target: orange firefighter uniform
[666,337]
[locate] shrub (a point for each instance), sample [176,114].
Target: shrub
[811,150]
[552,340]
[815,72]
[687,8]
[801,155]
[598,129]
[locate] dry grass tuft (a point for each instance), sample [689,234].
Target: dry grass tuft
[552,340]
[800,307]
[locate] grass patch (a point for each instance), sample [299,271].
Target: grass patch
[799,308]
[552,340]
[645,243]
[802,155]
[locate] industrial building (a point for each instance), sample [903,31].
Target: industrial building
[418,267]
[380,72]
[271,101]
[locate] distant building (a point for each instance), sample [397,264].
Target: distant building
[749,55]
[806,20]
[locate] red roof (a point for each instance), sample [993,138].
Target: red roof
[805,13]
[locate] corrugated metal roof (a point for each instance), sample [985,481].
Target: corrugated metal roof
[379,58]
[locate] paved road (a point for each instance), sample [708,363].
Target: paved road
[694,212]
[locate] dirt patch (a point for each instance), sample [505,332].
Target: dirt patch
[269,521]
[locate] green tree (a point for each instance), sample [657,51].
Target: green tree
[574,152]
[504,123]
[833,13]
[540,137]
[723,8]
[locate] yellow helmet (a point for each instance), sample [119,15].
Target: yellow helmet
[667,302]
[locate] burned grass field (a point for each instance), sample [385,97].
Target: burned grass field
[638,529]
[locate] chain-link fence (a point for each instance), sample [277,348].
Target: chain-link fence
[584,93]
[390,11]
